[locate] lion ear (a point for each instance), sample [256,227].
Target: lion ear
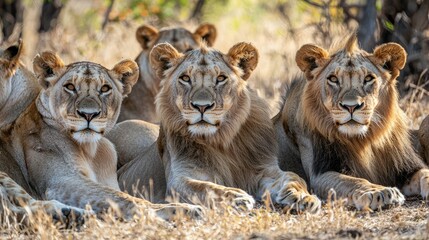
[146,36]
[162,57]
[47,66]
[12,55]
[391,56]
[127,72]
[309,57]
[244,56]
[207,32]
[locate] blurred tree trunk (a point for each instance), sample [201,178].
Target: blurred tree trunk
[11,15]
[367,33]
[197,12]
[50,11]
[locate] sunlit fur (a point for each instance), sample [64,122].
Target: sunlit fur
[140,103]
[18,89]
[61,104]
[218,125]
[349,66]
[339,153]
[64,155]
[18,86]
[228,150]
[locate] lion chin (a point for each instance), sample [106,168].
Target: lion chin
[86,136]
[202,129]
[353,129]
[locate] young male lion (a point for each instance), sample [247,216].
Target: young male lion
[216,138]
[140,103]
[345,125]
[18,89]
[58,140]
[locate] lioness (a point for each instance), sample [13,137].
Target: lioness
[216,136]
[346,127]
[58,141]
[18,89]
[140,104]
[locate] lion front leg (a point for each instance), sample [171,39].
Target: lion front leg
[360,192]
[21,203]
[418,184]
[207,191]
[288,189]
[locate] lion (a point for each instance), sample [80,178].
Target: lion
[216,138]
[422,136]
[18,89]
[140,103]
[344,124]
[58,140]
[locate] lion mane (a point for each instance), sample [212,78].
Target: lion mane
[360,156]
[215,134]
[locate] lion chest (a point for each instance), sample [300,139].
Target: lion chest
[226,169]
[98,162]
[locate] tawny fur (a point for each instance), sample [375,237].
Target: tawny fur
[363,166]
[60,160]
[228,156]
[423,139]
[140,104]
[19,88]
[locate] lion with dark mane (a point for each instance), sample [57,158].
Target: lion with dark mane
[344,124]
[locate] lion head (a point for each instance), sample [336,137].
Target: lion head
[181,39]
[9,64]
[350,92]
[9,61]
[204,92]
[83,98]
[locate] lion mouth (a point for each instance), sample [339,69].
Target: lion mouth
[87,130]
[350,122]
[203,122]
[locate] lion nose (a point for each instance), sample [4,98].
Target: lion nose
[88,116]
[351,108]
[202,108]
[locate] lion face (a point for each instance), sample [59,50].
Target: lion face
[351,83]
[203,89]
[180,38]
[83,97]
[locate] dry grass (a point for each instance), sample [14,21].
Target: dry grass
[335,221]
[277,48]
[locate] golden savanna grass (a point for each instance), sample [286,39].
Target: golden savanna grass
[277,46]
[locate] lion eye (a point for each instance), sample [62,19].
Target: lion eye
[70,87]
[221,78]
[368,79]
[185,78]
[333,79]
[105,88]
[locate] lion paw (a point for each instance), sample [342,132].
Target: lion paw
[298,201]
[424,187]
[68,215]
[239,199]
[377,198]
